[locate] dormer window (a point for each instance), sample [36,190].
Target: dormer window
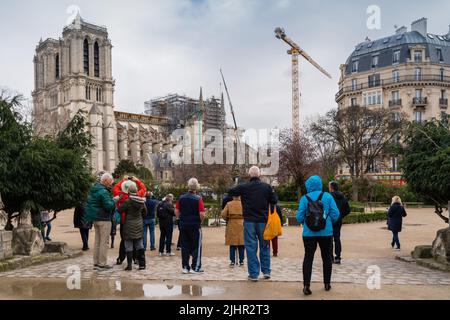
[374,62]
[417,55]
[439,55]
[355,65]
[396,57]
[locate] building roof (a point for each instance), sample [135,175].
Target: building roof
[401,41]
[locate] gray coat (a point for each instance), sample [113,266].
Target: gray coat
[135,211]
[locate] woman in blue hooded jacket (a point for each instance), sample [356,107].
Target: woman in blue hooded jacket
[322,237]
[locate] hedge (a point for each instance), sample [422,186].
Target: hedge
[365,217]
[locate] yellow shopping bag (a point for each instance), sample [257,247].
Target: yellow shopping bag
[273,227]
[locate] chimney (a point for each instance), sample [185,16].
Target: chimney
[401,30]
[420,26]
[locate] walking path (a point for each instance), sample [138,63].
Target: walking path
[216,269]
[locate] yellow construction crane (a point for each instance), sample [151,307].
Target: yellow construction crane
[295,51]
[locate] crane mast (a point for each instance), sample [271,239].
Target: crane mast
[295,51]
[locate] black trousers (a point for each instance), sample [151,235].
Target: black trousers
[191,246]
[165,238]
[337,239]
[325,244]
[84,232]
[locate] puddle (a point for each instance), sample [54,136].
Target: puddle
[102,289]
[160,290]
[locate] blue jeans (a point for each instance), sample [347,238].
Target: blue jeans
[150,224]
[395,239]
[253,235]
[241,250]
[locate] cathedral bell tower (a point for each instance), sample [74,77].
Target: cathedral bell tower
[74,73]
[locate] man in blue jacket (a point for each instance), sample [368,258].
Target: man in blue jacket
[322,237]
[150,220]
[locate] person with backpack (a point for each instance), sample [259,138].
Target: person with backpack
[317,212]
[165,213]
[344,210]
[396,214]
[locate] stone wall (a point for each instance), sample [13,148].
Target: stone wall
[6,244]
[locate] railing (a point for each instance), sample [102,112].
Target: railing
[443,102]
[395,80]
[394,103]
[420,101]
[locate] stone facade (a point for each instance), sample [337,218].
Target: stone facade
[75,73]
[408,73]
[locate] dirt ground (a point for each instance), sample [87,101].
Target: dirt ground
[366,240]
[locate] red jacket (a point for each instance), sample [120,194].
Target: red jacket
[117,191]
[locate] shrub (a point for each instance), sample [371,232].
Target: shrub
[364,217]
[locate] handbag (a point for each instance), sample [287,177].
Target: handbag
[273,227]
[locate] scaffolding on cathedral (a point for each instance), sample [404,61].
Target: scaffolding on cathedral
[181,110]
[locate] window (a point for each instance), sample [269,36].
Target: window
[395,95]
[86,57]
[395,76]
[353,102]
[354,84]
[374,80]
[374,61]
[439,55]
[88,92]
[57,66]
[372,98]
[396,58]
[441,74]
[418,116]
[417,74]
[355,65]
[96,60]
[443,94]
[418,56]
[418,93]
[395,164]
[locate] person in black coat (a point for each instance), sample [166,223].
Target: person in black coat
[80,223]
[395,218]
[344,210]
[165,212]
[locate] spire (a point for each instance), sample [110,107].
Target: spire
[77,21]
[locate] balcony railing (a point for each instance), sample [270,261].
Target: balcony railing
[395,103]
[420,101]
[443,103]
[395,80]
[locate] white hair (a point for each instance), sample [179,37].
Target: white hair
[254,172]
[193,184]
[132,188]
[106,176]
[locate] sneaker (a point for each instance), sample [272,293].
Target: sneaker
[232,264]
[241,264]
[160,254]
[252,279]
[337,261]
[267,276]
[196,271]
[327,287]
[170,254]
[185,270]
[152,249]
[178,248]
[397,249]
[48,239]
[105,267]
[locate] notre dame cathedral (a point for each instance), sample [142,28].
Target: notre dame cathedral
[75,73]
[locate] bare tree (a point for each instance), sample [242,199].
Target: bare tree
[297,158]
[362,136]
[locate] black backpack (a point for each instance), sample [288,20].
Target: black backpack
[314,214]
[161,213]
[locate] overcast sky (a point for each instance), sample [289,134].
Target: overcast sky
[176,46]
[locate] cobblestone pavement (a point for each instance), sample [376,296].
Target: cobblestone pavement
[217,269]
